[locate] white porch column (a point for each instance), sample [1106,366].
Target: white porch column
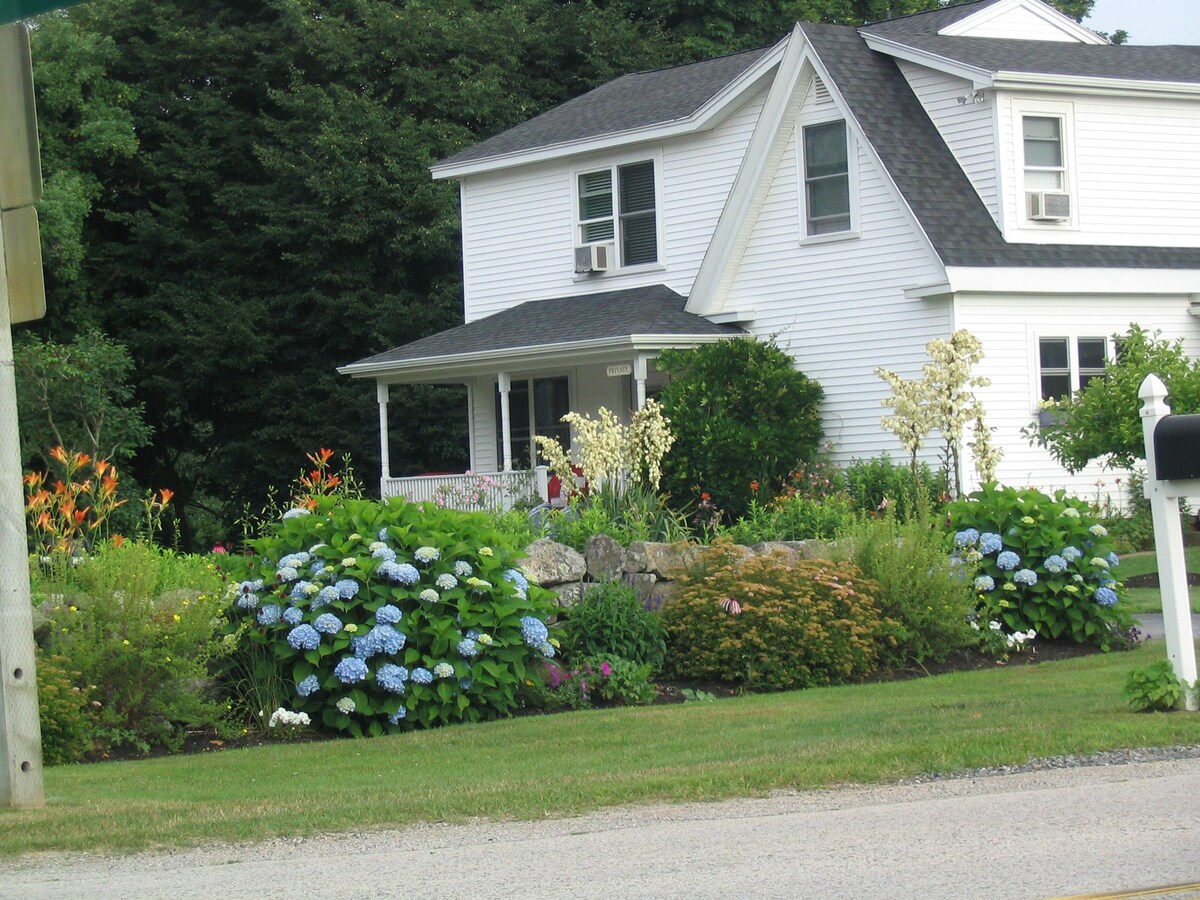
[504,383]
[639,378]
[385,461]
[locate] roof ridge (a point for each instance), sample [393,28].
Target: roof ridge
[925,12]
[683,65]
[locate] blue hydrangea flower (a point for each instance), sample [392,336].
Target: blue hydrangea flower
[308,686]
[446,582]
[247,600]
[401,573]
[297,512]
[989,543]
[297,560]
[1113,559]
[383,533]
[350,670]
[1070,554]
[1098,530]
[1105,596]
[252,586]
[426,554]
[391,677]
[303,637]
[320,569]
[966,538]
[384,552]
[468,648]
[429,595]
[463,569]
[534,632]
[293,615]
[388,615]
[269,614]
[399,714]
[546,649]
[1055,564]
[300,590]
[325,596]
[985,583]
[421,676]
[1008,560]
[1025,576]
[380,639]
[328,623]
[347,588]
[287,573]
[443,670]
[465,683]
[516,578]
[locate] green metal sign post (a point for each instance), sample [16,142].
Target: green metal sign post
[15,10]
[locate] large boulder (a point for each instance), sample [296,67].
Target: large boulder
[670,561]
[549,563]
[604,557]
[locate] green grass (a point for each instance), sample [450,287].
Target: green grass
[560,765]
[1149,600]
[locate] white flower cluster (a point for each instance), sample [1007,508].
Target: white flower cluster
[285,723]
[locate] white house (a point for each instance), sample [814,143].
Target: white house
[855,192]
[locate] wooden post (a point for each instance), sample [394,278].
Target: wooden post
[504,385]
[385,463]
[1168,543]
[20,729]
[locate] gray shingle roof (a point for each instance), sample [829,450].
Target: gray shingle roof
[1167,64]
[956,221]
[589,317]
[928,22]
[638,100]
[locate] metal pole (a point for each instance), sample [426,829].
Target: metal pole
[1168,544]
[20,729]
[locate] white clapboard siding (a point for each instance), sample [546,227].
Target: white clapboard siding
[1010,326]
[839,307]
[967,127]
[1134,171]
[519,231]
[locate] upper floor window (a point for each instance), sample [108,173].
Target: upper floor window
[1047,188]
[826,179]
[1066,365]
[627,216]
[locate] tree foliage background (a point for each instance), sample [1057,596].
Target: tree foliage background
[238,192]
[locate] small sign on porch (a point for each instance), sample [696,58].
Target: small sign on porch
[621,369]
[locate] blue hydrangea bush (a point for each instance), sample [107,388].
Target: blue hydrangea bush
[1039,563]
[388,615]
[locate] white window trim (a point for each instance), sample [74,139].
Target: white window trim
[613,164]
[852,233]
[1072,338]
[1065,113]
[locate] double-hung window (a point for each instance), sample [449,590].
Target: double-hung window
[826,179]
[1045,169]
[618,205]
[1066,365]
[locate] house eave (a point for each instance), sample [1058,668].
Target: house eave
[1078,84]
[1069,280]
[979,77]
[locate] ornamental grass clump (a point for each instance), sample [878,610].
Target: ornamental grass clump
[768,622]
[1039,563]
[386,615]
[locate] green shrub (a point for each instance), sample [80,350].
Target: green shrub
[139,623]
[601,680]
[65,711]
[386,615]
[878,484]
[1154,688]
[1041,563]
[741,414]
[638,514]
[920,589]
[793,518]
[767,622]
[610,619]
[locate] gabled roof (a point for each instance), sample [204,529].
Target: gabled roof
[925,23]
[631,102]
[946,205]
[1174,64]
[655,311]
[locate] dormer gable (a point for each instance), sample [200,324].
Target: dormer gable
[1028,20]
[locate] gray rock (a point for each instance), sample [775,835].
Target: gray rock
[604,557]
[669,561]
[549,563]
[569,594]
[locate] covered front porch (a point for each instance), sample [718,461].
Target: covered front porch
[525,368]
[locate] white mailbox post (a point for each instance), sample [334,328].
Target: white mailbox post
[1172,471]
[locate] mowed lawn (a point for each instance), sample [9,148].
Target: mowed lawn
[558,765]
[1149,600]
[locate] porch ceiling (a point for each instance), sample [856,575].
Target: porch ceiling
[540,333]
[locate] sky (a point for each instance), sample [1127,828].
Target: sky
[1149,21]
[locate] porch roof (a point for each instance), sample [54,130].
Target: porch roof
[580,328]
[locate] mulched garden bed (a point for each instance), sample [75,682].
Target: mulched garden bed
[1150,580]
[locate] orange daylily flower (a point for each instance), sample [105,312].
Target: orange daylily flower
[165,496]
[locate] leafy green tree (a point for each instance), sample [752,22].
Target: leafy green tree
[1103,421]
[740,413]
[78,396]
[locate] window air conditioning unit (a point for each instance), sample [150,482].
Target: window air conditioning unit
[594,258]
[1049,206]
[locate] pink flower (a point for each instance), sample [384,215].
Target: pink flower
[731,606]
[605,668]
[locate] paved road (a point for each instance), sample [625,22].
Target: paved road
[1033,835]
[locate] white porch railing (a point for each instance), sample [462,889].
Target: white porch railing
[472,491]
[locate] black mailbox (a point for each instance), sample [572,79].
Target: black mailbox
[1177,448]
